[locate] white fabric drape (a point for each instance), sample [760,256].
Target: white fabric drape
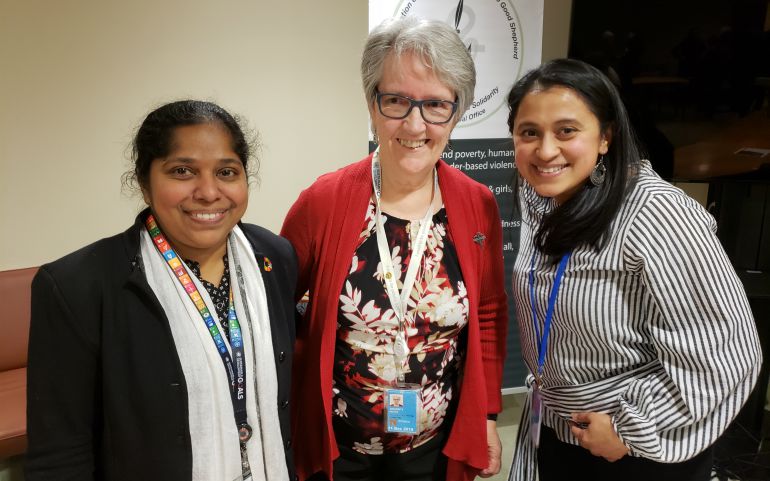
[215,445]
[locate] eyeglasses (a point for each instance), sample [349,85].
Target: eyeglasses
[433,111]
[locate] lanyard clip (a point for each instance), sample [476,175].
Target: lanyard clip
[244,432]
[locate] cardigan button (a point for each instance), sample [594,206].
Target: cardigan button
[284,404]
[288,444]
[281,356]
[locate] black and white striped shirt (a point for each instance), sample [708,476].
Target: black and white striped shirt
[655,329]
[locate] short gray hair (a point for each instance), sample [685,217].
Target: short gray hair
[435,42]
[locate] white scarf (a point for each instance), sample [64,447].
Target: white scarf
[216,451]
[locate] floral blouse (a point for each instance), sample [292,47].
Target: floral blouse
[437,312]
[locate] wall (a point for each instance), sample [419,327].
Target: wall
[556,28]
[77,77]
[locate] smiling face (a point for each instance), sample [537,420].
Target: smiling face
[199,191]
[410,146]
[558,141]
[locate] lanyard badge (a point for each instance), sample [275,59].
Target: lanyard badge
[403,403]
[536,401]
[402,408]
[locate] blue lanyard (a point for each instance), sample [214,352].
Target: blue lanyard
[543,341]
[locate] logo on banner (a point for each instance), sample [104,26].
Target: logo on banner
[492,32]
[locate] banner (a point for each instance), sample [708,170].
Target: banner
[504,37]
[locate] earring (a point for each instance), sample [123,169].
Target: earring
[599,173]
[375,139]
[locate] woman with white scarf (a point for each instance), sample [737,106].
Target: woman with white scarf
[165,352]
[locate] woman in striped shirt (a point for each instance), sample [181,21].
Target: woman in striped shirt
[634,325]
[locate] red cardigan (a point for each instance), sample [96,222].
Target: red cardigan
[324,225]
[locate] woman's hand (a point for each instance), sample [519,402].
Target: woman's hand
[494,451]
[599,437]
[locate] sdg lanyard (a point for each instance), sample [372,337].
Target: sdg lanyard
[398,300]
[543,341]
[237,375]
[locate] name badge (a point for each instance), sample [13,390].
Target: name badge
[535,416]
[402,408]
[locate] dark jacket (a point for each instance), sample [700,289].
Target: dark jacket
[107,398]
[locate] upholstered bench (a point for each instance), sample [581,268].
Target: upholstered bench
[14,295]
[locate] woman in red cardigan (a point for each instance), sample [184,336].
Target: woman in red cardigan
[400,352]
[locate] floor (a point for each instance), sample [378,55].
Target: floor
[10,469]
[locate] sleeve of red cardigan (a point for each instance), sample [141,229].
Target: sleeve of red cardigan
[296,228]
[493,306]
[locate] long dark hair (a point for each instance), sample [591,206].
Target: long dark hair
[585,217]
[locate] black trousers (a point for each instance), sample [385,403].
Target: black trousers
[424,463]
[558,461]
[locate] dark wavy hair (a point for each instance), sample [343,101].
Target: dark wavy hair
[154,136]
[585,217]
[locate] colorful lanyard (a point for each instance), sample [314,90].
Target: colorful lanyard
[543,341]
[398,300]
[237,375]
